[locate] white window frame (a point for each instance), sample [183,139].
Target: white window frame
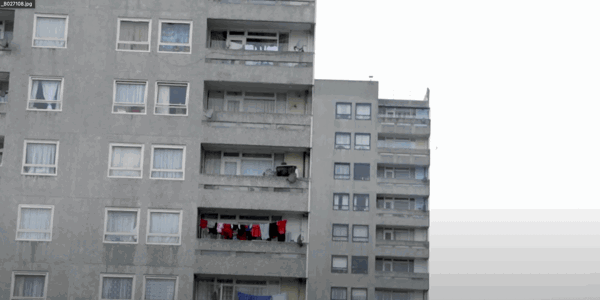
[21,206]
[146,277]
[390,232]
[35,18]
[49,78]
[148,234]
[246,35]
[149,21]
[137,230]
[159,43]
[25,273]
[110,151]
[41,166]
[389,265]
[152,169]
[239,159]
[102,276]
[187,98]
[129,81]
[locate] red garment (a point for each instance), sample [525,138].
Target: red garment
[281,226]
[227,232]
[255,230]
[203,223]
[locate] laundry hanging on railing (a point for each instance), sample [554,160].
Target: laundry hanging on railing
[262,231]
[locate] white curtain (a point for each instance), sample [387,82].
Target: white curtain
[363,111]
[341,231]
[160,289]
[344,109]
[359,294]
[35,219]
[363,140]
[119,222]
[400,267]
[166,223]
[342,170]
[133,32]
[337,293]
[360,231]
[340,262]
[212,162]
[130,93]
[230,168]
[168,159]
[29,286]
[50,91]
[116,288]
[51,28]
[40,154]
[164,99]
[233,105]
[126,157]
[174,33]
[255,167]
[340,200]
[342,139]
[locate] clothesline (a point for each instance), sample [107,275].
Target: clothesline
[264,231]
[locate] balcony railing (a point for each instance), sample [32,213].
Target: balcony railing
[401,243]
[259,63]
[268,2]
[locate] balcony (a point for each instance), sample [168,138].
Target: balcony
[4,79]
[257,129]
[416,187]
[395,156]
[399,126]
[257,192]
[414,249]
[259,67]
[273,10]
[410,218]
[254,258]
[408,281]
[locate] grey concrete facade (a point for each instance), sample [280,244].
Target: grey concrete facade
[299,132]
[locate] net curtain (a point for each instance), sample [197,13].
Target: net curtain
[40,154]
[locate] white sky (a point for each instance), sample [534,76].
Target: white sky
[514,91]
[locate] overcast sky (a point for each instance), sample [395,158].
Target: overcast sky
[514,91]
[514,105]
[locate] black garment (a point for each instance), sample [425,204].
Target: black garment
[273,231]
[281,237]
[213,230]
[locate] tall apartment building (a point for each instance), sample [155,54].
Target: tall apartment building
[132,131]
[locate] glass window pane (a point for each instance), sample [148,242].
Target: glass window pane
[362,171]
[131,31]
[160,289]
[230,168]
[176,33]
[29,286]
[116,288]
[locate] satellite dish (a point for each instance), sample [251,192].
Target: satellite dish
[3,43]
[299,46]
[209,113]
[292,178]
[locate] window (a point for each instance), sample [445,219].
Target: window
[362,172]
[1,148]
[134,35]
[246,164]
[419,173]
[163,288]
[340,232]
[392,234]
[362,141]
[340,201]
[7,24]
[40,158]
[50,31]
[45,93]
[341,171]
[121,225]
[360,233]
[389,295]
[125,161]
[338,293]
[29,285]
[171,99]
[363,111]
[342,140]
[249,40]
[391,203]
[360,264]
[4,79]
[130,97]
[175,36]
[361,202]
[254,102]
[168,162]
[117,286]
[339,264]
[359,294]
[393,265]
[34,222]
[343,110]
[164,227]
